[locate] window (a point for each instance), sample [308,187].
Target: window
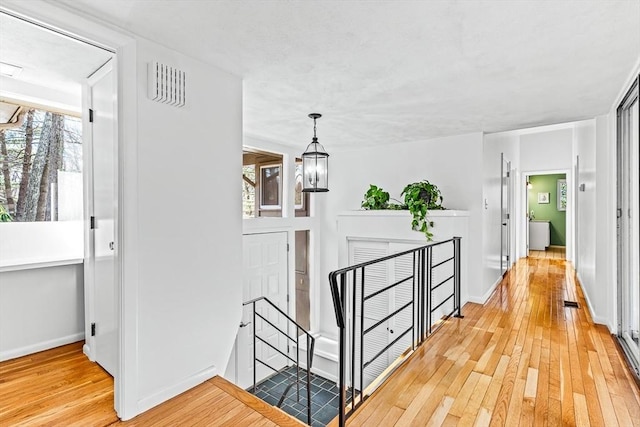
[270,187]
[249,191]
[262,180]
[562,195]
[41,161]
[301,200]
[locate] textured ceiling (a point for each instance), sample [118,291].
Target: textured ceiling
[48,59]
[384,72]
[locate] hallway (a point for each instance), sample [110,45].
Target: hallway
[521,359]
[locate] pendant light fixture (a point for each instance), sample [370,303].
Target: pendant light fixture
[315,164]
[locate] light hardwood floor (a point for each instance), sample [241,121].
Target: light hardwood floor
[522,359]
[61,387]
[553,252]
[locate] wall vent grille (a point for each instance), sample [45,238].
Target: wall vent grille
[167,84]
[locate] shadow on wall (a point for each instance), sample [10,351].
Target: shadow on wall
[543,203]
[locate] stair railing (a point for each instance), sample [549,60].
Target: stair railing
[310,341]
[350,295]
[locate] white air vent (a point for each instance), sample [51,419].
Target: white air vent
[167,84]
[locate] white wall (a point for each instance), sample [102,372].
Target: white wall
[603,295]
[40,308]
[494,144]
[585,253]
[187,230]
[454,164]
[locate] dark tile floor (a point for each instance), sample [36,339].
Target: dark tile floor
[324,396]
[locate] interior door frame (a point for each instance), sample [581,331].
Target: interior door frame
[505,228]
[523,214]
[124,47]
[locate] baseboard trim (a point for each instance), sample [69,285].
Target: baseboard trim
[167,393]
[41,346]
[596,319]
[484,298]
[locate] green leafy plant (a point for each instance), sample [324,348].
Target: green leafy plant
[377,199]
[4,215]
[420,197]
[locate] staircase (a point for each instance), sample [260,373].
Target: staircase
[299,381]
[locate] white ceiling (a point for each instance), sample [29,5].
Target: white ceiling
[385,72]
[48,59]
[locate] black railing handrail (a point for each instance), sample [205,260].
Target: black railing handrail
[388,257]
[421,280]
[298,326]
[311,340]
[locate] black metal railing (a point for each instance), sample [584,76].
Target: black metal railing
[298,330]
[424,286]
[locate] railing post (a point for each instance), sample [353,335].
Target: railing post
[413,306]
[309,352]
[456,263]
[353,397]
[298,363]
[254,348]
[353,334]
[429,276]
[342,355]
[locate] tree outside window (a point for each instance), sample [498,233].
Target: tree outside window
[41,163]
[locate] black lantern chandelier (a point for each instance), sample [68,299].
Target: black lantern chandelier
[315,164]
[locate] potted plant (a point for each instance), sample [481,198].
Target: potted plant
[420,197]
[377,199]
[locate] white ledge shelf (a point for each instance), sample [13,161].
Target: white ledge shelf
[401,213]
[19,265]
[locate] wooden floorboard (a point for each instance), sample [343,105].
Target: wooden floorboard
[61,387]
[522,359]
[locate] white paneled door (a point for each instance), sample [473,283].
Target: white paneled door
[102,208]
[265,269]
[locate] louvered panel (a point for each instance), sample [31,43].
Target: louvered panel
[376,278]
[403,294]
[376,308]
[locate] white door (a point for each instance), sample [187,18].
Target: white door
[102,206]
[264,274]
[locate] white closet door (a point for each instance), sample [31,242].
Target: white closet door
[375,309]
[401,270]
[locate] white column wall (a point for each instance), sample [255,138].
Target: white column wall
[188,227]
[585,253]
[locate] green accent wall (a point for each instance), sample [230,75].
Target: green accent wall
[549,211]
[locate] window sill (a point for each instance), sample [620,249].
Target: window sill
[18,265]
